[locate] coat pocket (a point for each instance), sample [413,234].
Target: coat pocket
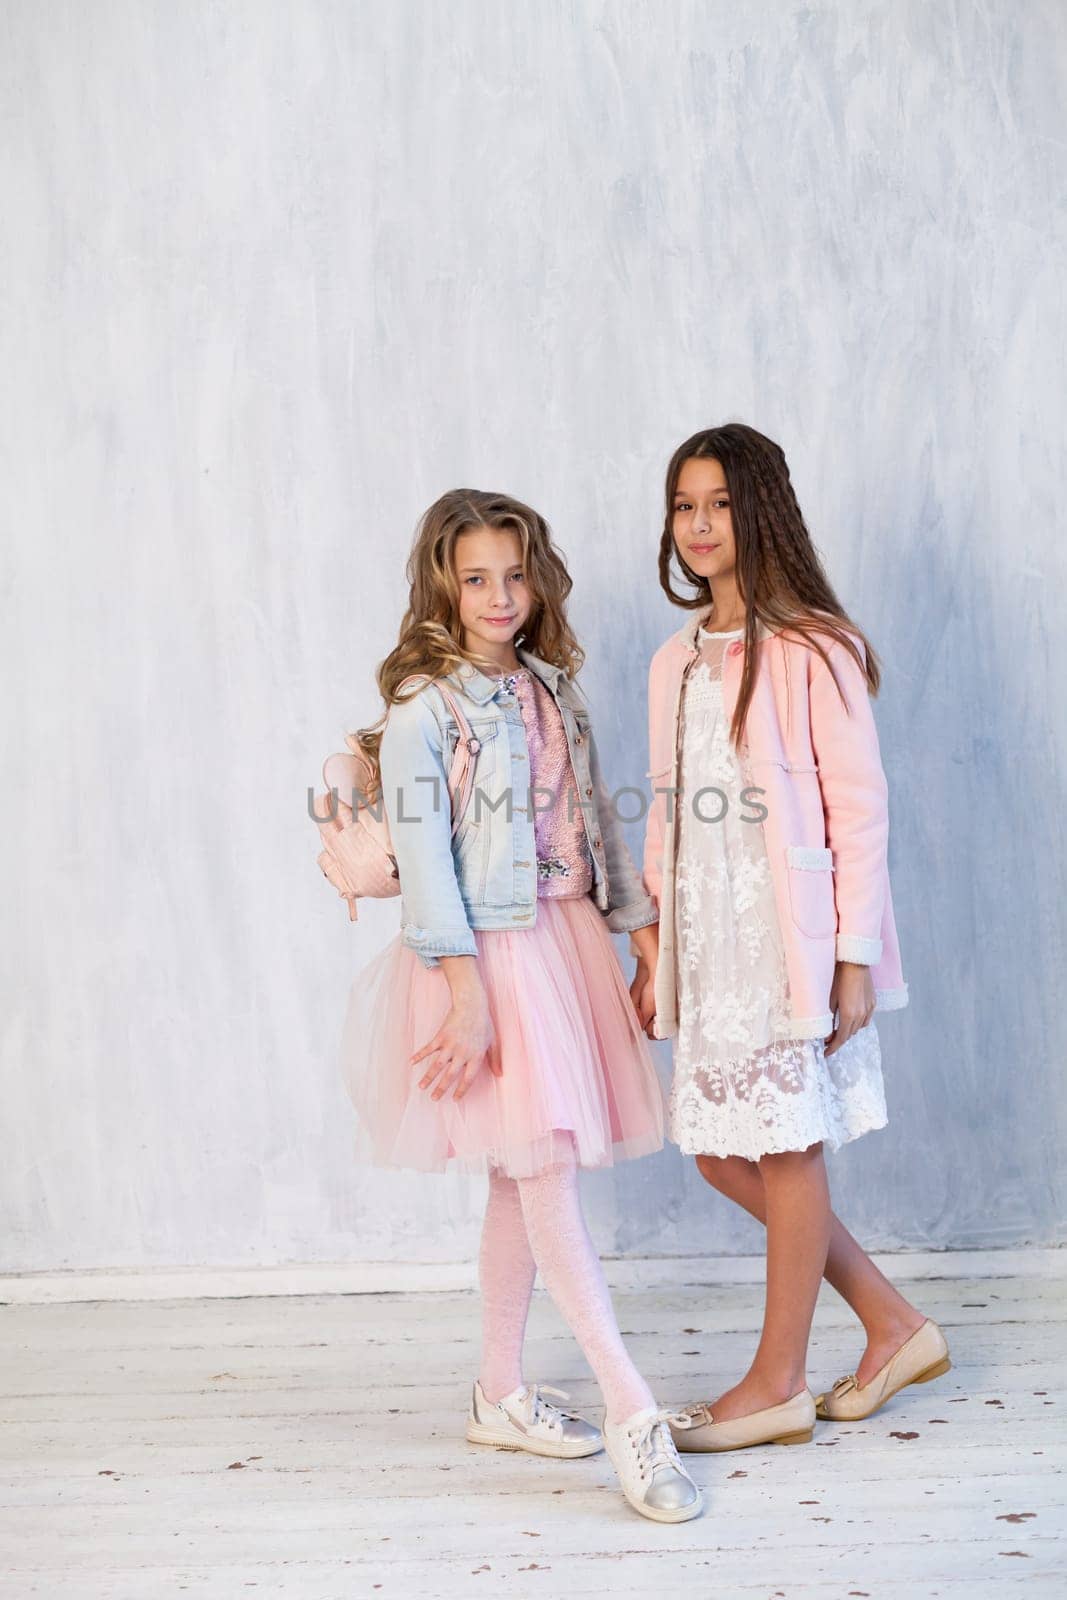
[811,890]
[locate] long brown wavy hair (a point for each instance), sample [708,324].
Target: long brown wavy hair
[779,574]
[431,635]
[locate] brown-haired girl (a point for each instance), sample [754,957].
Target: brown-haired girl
[495,1031]
[777,941]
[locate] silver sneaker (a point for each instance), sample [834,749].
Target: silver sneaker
[525,1420]
[651,1475]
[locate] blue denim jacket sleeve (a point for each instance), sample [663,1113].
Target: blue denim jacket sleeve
[416,801]
[630,905]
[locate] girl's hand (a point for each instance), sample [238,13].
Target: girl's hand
[643,995]
[852,999]
[466,1038]
[644,944]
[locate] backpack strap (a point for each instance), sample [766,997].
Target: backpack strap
[464,759]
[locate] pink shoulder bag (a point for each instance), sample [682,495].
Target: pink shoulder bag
[357,855]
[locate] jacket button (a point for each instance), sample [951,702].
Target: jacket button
[597,844]
[578,739]
[589,789]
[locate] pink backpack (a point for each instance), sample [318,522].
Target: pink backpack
[357,855]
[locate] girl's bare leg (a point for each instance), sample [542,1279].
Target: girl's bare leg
[888,1319]
[796,1199]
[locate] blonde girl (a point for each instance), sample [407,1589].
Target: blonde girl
[495,1032]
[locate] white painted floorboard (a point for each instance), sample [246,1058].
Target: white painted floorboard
[312,1448]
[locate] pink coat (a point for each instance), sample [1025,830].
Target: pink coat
[827,823]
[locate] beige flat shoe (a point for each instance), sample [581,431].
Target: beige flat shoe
[920,1358]
[792,1422]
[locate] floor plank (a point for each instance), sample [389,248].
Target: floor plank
[312,1447]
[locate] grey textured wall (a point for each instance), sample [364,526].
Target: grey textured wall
[273,276]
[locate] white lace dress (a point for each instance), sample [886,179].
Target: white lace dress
[742,1086]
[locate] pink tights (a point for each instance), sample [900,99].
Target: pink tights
[536,1224]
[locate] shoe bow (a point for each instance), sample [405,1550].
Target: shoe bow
[694,1416]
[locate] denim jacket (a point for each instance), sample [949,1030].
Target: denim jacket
[486,876]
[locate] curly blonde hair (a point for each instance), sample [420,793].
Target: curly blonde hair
[431,635]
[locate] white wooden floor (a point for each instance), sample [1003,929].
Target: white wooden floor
[312,1447]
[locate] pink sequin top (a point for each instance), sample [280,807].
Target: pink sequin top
[564,864]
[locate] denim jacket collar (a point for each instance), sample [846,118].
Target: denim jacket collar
[480,688]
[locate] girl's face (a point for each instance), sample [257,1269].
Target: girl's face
[494,601]
[701,523]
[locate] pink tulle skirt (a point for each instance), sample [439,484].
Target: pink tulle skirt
[576,1065]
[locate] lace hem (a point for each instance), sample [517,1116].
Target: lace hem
[786,1097]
